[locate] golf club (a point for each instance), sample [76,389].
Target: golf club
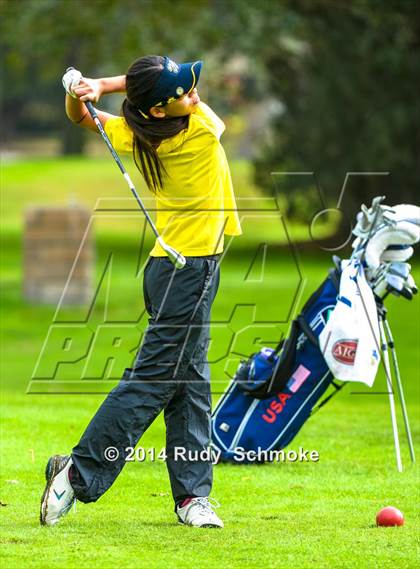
[176,258]
[400,388]
[384,348]
[396,279]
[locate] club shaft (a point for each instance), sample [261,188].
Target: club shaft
[385,355]
[400,390]
[120,165]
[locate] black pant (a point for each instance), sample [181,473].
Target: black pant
[170,373]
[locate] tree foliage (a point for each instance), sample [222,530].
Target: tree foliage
[345,76]
[41,38]
[349,85]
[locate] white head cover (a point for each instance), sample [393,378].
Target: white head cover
[350,340]
[397,227]
[404,229]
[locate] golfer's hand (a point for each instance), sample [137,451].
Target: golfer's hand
[88,90]
[71,79]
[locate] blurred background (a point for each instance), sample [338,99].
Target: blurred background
[320,85]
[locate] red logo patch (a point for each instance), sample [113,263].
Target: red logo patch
[344,351]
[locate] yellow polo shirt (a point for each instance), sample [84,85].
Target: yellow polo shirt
[196,206]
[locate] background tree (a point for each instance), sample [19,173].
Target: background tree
[335,81]
[348,79]
[41,38]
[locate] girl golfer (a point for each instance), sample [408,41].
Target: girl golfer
[175,141]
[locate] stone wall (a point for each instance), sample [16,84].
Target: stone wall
[52,239]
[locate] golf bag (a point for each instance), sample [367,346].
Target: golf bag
[340,331]
[274,392]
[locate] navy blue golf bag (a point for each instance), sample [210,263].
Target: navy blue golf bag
[274,392]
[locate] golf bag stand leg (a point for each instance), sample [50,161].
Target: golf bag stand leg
[385,355]
[400,388]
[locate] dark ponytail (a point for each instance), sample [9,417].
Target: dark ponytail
[148,132]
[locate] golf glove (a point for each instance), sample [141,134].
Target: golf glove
[71,79]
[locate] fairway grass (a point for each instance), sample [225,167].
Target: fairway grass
[297,515]
[276,515]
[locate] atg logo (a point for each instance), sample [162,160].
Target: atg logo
[344,351]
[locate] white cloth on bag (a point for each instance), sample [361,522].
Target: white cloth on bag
[350,341]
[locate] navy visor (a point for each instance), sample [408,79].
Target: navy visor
[174,81]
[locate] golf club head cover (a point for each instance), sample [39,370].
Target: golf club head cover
[401,227]
[395,278]
[71,79]
[400,269]
[399,253]
[411,283]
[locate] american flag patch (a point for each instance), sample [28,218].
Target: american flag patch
[300,375]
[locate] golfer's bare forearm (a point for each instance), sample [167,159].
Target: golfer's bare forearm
[112,84]
[75,109]
[92,89]
[78,113]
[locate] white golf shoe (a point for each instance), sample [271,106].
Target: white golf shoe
[198,512]
[58,496]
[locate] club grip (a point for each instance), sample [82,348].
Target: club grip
[91,109]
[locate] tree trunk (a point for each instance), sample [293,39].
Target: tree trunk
[73,139]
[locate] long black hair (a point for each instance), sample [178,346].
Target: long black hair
[148,132]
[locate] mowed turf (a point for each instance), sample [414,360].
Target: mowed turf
[277,515]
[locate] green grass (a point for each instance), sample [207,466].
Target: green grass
[278,515]
[97,182]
